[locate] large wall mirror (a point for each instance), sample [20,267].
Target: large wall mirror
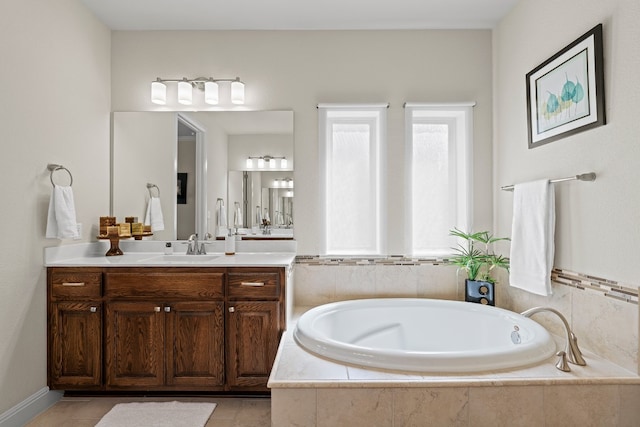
[198,161]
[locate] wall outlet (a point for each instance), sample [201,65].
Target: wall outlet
[79,236]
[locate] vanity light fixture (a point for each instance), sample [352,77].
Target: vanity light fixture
[185,90]
[283,183]
[268,162]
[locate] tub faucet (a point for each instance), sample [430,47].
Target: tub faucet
[572,351]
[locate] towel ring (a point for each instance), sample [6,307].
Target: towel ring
[150,186]
[52,168]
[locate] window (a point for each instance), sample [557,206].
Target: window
[439,140]
[352,139]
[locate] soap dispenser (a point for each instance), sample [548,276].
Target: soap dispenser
[230,244]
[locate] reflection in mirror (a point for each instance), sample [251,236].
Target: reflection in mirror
[148,148]
[266,199]
[186,184]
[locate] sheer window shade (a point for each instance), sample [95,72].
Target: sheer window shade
[352,138]
[438,159]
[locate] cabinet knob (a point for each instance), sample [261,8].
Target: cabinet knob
[232,309]
[93,309]
[167,309]
[156,309]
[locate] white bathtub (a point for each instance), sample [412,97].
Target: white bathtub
[423,335]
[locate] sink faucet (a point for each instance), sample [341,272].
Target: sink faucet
[572,351]
[192,248]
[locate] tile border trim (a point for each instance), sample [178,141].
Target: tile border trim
[606,287]
[609,288]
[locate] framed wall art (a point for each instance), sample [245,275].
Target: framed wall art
[565,94]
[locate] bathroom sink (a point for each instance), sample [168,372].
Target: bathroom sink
[180,259]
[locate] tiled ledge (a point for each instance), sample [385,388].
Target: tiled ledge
[606,287]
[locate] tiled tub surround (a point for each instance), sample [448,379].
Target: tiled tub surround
[310,391]
[603,314]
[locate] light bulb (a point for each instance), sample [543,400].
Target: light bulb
[158,92]
[283,163]
[249,163]
[272,163]
[260,163]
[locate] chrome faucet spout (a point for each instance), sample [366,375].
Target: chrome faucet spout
[574,355]
[192,247]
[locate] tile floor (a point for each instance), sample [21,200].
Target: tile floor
[87,411]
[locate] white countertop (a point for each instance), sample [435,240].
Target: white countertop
[136,255]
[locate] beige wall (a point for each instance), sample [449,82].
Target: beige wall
[297,70]
[597,226]
[54,108]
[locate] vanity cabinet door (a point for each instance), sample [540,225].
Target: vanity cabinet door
[253,334]
[75,345]
[134,347]
[195,344]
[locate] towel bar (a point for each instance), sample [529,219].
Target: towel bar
[52,168]
[590,176]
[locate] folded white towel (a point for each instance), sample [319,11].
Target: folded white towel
[61,218]
[153,217]
[532,237]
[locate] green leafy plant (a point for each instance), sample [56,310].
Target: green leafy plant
[476,256]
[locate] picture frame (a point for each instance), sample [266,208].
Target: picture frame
[182,188]
[565,94]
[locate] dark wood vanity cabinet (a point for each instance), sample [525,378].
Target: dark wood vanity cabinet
[255,319]
[164,328]
[74,356]
[157,328]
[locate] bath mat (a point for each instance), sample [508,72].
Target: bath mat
[158,414]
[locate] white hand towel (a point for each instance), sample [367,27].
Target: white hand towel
[61,218]
[153,216]
[532,237]
[222,215]
[258,215]
[237,216]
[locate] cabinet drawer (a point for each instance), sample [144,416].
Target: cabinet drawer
[254,284]
[67,284]
[165,283]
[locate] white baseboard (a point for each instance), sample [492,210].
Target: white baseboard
[26,410]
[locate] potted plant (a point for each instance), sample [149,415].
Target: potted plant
[477,258]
